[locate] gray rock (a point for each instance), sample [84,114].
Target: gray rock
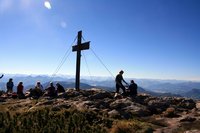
[101,95]
[188,119]
[114,114]
[187,104]
[121,103]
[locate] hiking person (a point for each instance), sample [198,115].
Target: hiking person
[133,88]
[20,89]
[9,86]
[119,78]
[51,90]
[60,88]
[1,76]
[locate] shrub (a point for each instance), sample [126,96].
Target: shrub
[131,126]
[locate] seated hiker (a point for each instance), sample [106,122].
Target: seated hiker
[39,86]
[51,90]
[60,88]
[119,78]
[37,91]
[133,88]
[20,89]
[9,86]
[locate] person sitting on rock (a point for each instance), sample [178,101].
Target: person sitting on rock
[39,86]
[20,89]
[37,91]
[133,88]
[51,90]
[119,78]
[60,88]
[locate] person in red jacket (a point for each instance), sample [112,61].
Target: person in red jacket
[20,89]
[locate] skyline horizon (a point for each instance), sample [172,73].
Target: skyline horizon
[155,39]
[96,76]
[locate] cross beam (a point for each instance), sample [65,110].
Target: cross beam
[78,48]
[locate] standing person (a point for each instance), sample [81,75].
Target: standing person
[9,86]
[119,78]
[133,88]
[20,89]
[60,88]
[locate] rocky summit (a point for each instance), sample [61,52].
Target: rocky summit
[97,110]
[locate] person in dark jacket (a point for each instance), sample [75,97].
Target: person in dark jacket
[119,79]
[9,86]
[60,88]
[51,90]
[133,88]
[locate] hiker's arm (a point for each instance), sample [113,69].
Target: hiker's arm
[1,76]
[124,81]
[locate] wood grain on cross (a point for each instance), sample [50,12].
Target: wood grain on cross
[78,48]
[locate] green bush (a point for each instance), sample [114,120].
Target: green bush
[66,121]
[46,121]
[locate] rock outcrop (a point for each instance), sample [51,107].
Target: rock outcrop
[168,113]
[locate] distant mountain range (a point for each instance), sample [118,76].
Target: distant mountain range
[152,87]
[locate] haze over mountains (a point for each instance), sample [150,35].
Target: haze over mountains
[154,87]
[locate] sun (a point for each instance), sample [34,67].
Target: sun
[47,4]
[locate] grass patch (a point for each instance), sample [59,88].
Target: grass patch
[131,126]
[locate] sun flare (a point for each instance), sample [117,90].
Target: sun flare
[47,4]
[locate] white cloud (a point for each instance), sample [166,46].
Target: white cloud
[47,4]
[63,24]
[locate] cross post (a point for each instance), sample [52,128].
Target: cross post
[77,48]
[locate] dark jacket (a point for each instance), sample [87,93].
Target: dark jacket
[60,88]
[133,88]
[119,78]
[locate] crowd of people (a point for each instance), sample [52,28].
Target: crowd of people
[52,91]
[35,92]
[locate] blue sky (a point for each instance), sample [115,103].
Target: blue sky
[157,39]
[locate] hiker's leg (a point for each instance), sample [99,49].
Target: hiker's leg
[117,88]
[124,89]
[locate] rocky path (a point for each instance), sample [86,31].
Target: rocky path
[174,124]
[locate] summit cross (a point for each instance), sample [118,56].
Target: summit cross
[78,48]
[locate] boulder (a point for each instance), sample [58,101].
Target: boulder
[120,103]
[187,104]
[114,114]
[157,106]
[101,95]
[188,119]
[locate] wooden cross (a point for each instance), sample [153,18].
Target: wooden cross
[77,48]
